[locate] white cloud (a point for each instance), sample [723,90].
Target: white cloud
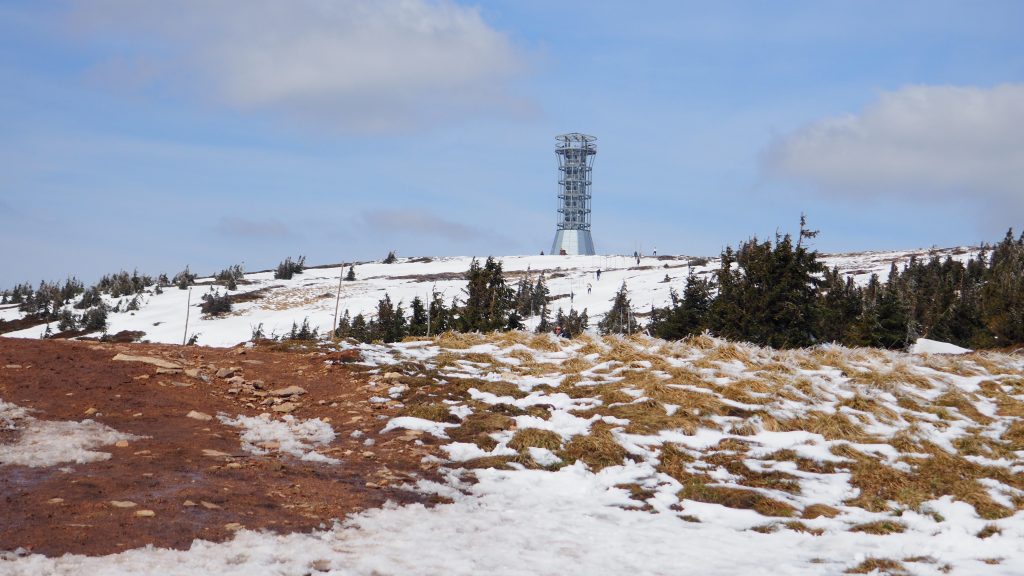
[919,142]
[353,65]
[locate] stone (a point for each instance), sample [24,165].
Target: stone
[257,384]
[288,391]
[225,373]
[192,372]
[168,370]
[91,411]
[284,407]
[189,503]
[391,376]
[183,384]
[270,445]
[145,513]
[158,362]
[12,366]
[233,465]
[123,504]
[236,381]
[121,444]
[202,416]
[55,501]
[233,526]
[141,377]
[215,453]
[209,505]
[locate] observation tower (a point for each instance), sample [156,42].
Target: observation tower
[575,154]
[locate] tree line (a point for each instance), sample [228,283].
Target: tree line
[780,294]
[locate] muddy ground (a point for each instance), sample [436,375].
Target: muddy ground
[192,474]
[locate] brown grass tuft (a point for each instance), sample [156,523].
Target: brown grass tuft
[817,510]
[988,531]
[536,438]
[880,566]
[457,340]
[882,527]
[435,412]
[696,489]
[598,450]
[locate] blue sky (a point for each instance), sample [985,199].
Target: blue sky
[207,133]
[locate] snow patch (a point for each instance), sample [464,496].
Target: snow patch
[262,435]
[41,443]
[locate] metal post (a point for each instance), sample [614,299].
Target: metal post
[337,301]
[188,304]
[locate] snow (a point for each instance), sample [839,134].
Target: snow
[41,443]
[289,435]
[565,522]
[925,346]
[413,423]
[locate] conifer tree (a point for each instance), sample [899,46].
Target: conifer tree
[418,320]
[621,318]
[351,275]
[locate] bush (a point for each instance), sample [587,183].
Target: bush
[391,259]
[230,276]
[303,332]
[215,304]
[288,268]
[184,279]
[95,318]
[66,321]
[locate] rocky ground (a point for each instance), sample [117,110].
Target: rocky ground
[185,475]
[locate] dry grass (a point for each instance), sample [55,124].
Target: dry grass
[575,365]
[544,343]
[891,379]
[817,510]
[833,426]
[696,489]
[1014,435]
[880,566]
[436,412]
[940,474]
[478,426]
[458,340]
[598,450]
[535,438]
[864,404]
[648,417]
[798,526]
[881,527]
[672,461]
[953,398]
[988,531]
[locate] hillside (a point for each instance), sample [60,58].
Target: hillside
[276,304]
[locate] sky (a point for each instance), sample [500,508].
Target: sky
[155,135]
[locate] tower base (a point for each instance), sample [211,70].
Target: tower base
[573,242]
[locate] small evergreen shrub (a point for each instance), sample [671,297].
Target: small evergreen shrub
[391,258]
[288,268]
[215,304]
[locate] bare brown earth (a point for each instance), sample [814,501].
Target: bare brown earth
[67,508]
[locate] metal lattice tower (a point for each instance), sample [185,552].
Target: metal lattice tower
[575,154]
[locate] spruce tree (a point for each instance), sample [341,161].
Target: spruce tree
[621,318]
[418,321]
[351,275]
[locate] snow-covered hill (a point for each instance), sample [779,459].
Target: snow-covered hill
[572,281]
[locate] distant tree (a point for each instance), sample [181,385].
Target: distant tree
[289,268]
[418,320]
[488,299]
[184,279]
[685,315]
[620,319]
[95,319]
[215,303]
[391,258]
[351,276]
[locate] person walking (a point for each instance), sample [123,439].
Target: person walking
[588,287]
[598,273]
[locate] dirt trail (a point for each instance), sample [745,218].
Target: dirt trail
[67,508]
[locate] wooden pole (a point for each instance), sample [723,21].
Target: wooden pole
[188,304]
